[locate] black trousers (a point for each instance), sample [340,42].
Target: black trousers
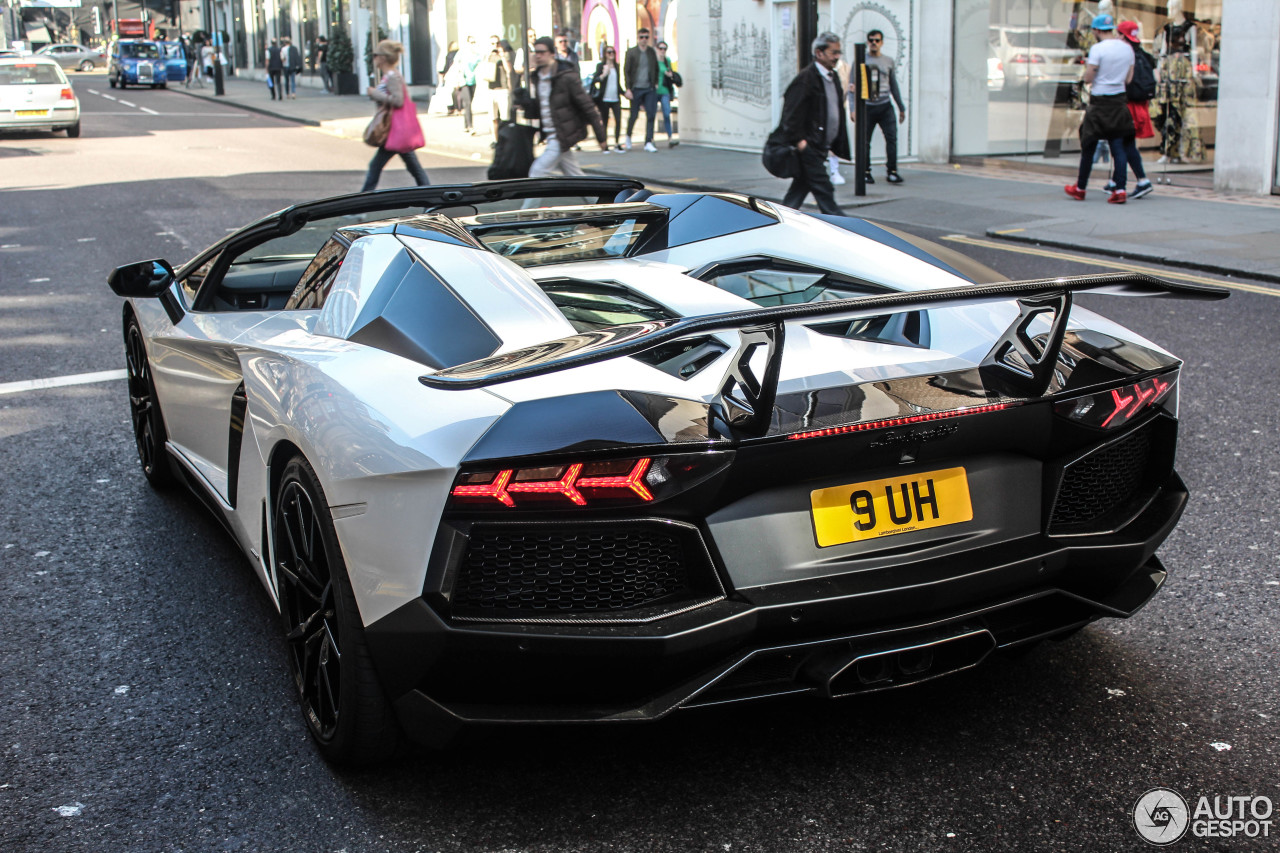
[813,178]
[615,108]
[380,159]
[883,116]
[277,85]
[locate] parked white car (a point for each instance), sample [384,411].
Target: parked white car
[36,95]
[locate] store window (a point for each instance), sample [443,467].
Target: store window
[1019,65]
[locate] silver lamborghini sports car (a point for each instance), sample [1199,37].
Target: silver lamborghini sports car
[569,450]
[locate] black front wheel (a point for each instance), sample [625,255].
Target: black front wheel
[342,698]
[144,408]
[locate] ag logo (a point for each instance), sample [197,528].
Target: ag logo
[1160,816]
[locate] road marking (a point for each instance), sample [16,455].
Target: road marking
[1110,264]
[1011,231]
[11,246]
[128,103]
[85,239]
[111,97]
[94,92]
[36,280]
[62,381]
[145,110]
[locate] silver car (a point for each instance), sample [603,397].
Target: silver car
[36,95]
[74,56]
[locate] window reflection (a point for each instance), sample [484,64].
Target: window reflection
[1019,65]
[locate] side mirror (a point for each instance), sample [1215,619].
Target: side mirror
[146,279]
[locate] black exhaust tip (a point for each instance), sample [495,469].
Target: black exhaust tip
[853,671]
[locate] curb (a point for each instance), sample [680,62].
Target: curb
[458,153]
[248,107]
[1146,257]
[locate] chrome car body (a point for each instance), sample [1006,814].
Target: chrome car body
[566,450]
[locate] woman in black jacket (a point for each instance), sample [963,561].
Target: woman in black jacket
[606,91]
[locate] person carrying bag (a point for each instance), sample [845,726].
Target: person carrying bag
[394,128]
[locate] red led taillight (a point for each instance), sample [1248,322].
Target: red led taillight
[576,483]
[1114,408]
[897,422]
[67,94]
[494,489]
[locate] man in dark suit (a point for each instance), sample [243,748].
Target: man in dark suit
[813,123]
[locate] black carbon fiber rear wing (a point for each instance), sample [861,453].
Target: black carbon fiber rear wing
[1037,296]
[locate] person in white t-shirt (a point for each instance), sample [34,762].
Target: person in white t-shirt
[1109,68]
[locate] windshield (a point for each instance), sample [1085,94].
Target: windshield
[141,50]
[26,75]
[306,241]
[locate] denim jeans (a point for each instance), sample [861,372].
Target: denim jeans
[646,99]
[665,101]
[1118,156]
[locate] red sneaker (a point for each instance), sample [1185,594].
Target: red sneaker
[1118,197]
[1075,192]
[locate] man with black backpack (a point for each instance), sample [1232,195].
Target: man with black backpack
[1139,90]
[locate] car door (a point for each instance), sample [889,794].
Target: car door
[197,371]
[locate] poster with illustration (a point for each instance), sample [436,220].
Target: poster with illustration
[727,63]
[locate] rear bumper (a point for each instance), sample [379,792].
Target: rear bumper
[827,637]
[56,120]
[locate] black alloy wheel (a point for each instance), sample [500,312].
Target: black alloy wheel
[342,699]
[144,409]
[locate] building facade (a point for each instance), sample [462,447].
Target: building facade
[981,78]
[1000,79]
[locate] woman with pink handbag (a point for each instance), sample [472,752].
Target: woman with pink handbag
[395,128]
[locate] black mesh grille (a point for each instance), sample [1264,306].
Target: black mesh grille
[1102,485]
[586,569]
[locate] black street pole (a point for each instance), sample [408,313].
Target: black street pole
[806,31]
[217,59]
[860,164]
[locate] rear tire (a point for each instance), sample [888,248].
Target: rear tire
[86,66]
[111,81]
[342,698]
[144,407]
[74,131]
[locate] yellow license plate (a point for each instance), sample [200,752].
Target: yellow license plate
[890,506]
[31,112]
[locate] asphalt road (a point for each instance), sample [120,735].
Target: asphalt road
[144,699]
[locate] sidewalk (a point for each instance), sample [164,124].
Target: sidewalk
[1191,228]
